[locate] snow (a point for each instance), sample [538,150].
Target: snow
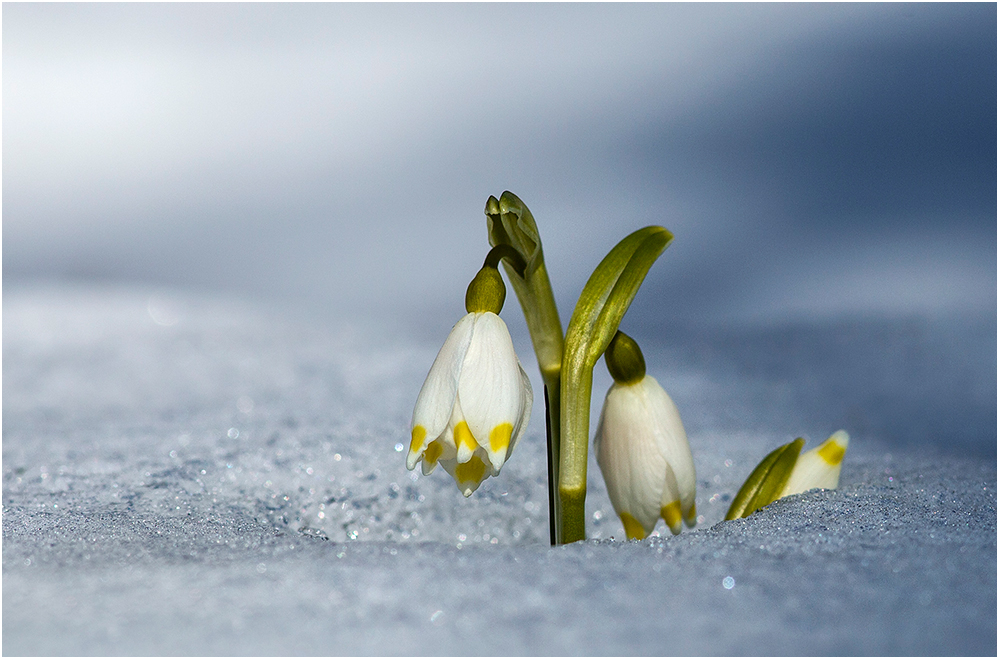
[191,475]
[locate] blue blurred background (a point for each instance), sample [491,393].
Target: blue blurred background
[812,160]
[822,167]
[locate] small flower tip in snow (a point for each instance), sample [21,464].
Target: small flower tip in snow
[474,405]
[819,467]
[785,472]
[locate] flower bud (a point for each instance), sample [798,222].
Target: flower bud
[624,359]
[486,292]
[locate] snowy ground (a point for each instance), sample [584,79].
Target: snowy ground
[184,475]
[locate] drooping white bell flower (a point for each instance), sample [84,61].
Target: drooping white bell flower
[642,448]
[819,467]
[474,405]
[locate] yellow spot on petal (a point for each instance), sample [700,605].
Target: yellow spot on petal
[472,471]
[672,514]
[433,452]
[831,452]
[463,436]
[692,517]
[633,530]
[417,438]
[500,437]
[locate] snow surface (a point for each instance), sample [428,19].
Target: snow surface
[187,475]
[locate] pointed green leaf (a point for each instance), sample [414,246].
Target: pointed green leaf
[609,292]
[765,483]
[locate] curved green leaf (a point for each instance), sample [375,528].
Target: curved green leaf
[765,483]
[609,292]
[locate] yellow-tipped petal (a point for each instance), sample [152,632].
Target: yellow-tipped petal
[469,475]
[500,437]
[691,517]
[491,389]
[417,437]
[499,442]
[832,451]
[672,443]
[633,529]
[672,515]
[431,456]
[465,443]
[819,467]
[437,396]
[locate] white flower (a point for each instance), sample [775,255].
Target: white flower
[819,467]
[785,471]
[643,453]
[474,405]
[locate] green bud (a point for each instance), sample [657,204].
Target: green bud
[486,291]
[624,359]
[510,222]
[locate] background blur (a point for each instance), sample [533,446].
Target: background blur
[813,161]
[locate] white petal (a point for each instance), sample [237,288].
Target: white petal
[672,441]
[437,397]
[628,455]
[527,400]
[819,467]
[491,388]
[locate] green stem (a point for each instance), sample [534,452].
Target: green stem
[542,318]
[508,252]
[577,383]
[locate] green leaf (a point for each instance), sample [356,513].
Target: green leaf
[765,483]
[609,292]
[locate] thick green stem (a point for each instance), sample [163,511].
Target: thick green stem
[573,525]
[577,384]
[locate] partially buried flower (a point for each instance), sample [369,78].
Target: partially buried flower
[642,448]
[476,401]
[819,467]
[785,472]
